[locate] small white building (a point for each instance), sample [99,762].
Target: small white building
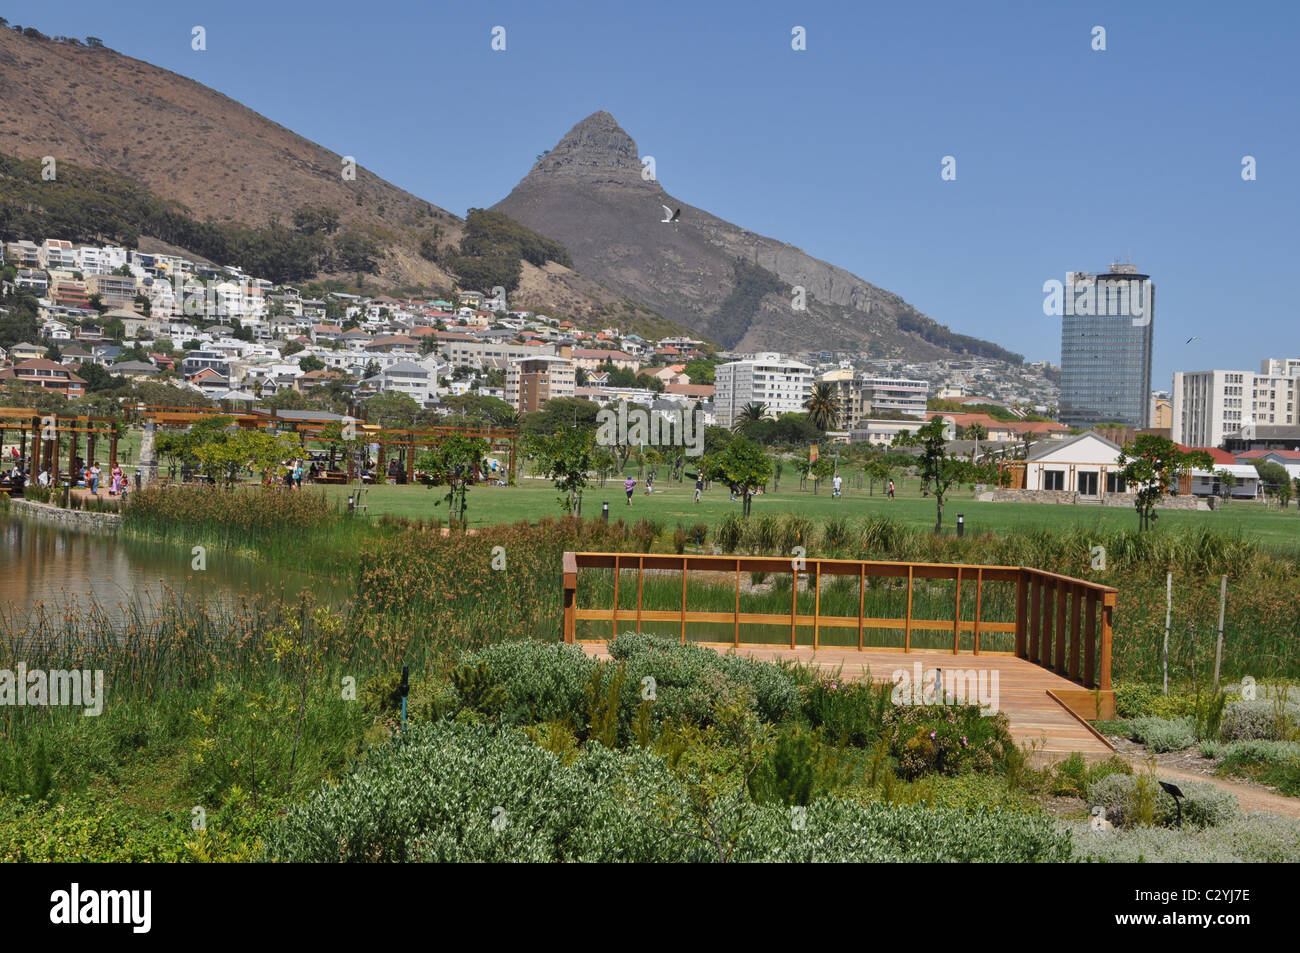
[1087,464]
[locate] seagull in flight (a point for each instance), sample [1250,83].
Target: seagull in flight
[1193,338]
[670,215]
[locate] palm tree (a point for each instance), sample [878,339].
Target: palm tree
[750,414]
[977,433]
[823,407]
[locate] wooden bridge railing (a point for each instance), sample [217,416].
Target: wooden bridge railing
[1061,623]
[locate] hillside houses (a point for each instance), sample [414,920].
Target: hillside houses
[220,331]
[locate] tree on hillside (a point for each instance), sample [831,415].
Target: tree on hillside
[699,371]
[744,464]
[1154,464]
[311,363]
[823,407]
[939,470]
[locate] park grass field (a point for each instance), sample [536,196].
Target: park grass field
[671,504]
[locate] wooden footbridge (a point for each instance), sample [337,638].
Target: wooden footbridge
[1046,636]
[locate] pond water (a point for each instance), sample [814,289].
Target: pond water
[54,567]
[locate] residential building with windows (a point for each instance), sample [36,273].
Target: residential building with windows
[1210,406]
[782,386]
[531,382]
[48,374]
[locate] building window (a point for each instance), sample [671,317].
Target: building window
[1115,483]
[1053,479]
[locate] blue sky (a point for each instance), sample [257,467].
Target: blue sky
[1067,158]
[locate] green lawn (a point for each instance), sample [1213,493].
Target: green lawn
[672,503]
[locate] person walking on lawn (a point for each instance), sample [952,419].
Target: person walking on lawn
[629,485]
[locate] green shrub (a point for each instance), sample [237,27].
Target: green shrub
[849,713]
[798,770]
[1103,769]
[729,533]
[692,682]
[434,795]
[1120,795]
[1070,777]
[1253,838]
[537,681]
[476,793]
[947,739]
[1265,719]
[1275,763]
[1164,734]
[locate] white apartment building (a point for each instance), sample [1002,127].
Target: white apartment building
[56,253]
[483,355]
[1211,405]
[898,394]
[782,386]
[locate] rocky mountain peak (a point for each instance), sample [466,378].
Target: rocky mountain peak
[596,150]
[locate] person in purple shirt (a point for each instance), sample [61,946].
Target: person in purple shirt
[629,485]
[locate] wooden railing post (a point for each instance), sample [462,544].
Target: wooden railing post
[570,568]
[794,598]
[613,623]
[956,616]
[907,626]
[1076,606]
[1035,617]
[1090,641]
[979,594]
[817,602]
[640,579]
[1022,614]
[736,637]
[1062,597]
[683,600]
[862,600]
[1107,619]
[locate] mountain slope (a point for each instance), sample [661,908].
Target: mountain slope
[182,141]
[721,280]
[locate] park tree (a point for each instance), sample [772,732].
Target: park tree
[977,433]
[823,407]
[751,414]
[453,463]
[1227,480]
[822,469]
[743,464]
[1276,481]
[566,456]
[877,471]
[940,470]
[1154,464]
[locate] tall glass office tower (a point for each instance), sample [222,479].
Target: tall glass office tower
[1106,334]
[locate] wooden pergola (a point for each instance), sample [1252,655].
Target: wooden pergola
[39,438]
[399,442]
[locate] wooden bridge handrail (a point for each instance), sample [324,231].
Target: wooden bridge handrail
[1052,627]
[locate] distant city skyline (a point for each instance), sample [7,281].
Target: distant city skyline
[1065,156]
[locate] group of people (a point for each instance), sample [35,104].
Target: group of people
[91,477]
